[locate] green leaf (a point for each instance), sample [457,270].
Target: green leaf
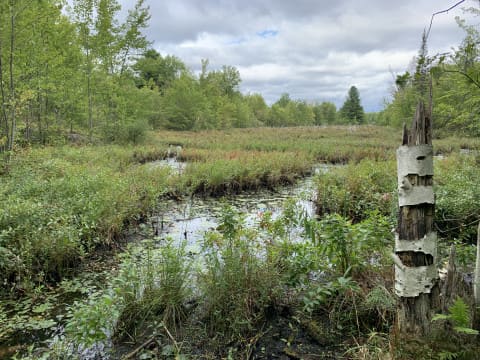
[42,308]
[466,330]
[440,317]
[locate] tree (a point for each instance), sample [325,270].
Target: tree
[455,81]
[185,106]
[352,111]
[416,276]
[154,70]
[422,71]
[131,36]
[259,108]
[302,114]
[325,113]
[83,11]
[223,82]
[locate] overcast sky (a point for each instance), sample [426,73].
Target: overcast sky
[312,49]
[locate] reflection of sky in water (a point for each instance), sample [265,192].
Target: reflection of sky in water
[189,220]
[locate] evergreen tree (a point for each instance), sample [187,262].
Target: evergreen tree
[352,111]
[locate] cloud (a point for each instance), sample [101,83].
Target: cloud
[314,50]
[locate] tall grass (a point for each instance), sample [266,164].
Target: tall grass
[334,144]
[355,190]
[237,285]
[58,205]
[220,173]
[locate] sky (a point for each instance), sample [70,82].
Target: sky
[314,50]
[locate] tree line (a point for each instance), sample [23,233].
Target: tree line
[76,69]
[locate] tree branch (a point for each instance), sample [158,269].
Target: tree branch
[475,82]
[441,12]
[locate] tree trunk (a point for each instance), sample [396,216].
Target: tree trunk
[5,134]
[476,287]
[89,95]
[416,276]
[13,125]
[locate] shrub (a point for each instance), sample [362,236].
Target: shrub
[152,285]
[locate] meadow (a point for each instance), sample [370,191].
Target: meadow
[61,206]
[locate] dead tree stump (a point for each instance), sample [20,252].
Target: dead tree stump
[416,275]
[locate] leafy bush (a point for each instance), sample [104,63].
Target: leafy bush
[151,284]
[346,247]
[459,316]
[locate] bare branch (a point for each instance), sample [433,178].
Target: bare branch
[441,12]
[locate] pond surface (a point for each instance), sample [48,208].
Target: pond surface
[190,219]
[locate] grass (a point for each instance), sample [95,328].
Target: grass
[355,190]
[237,292]
[326,144]
[59,205]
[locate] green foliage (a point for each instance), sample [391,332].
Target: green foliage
[458,197]
[237,285]
[230,172]
[378,308]
[459,315]
[288,112]
[352,110]
[57,206]
[185,104]
[356,189]
[165,278]
[155,70]
[151,284]
[455,87]
[345,247]
[320,294]
[325,113]
[26,316]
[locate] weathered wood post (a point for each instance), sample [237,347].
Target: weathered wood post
[416,276]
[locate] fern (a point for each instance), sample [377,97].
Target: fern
[459,315]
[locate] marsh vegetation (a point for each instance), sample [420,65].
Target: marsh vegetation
[274,282]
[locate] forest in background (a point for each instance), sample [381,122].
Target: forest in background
[76,72]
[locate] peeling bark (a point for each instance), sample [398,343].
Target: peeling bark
[416,279]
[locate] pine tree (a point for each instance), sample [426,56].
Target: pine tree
[352,111]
